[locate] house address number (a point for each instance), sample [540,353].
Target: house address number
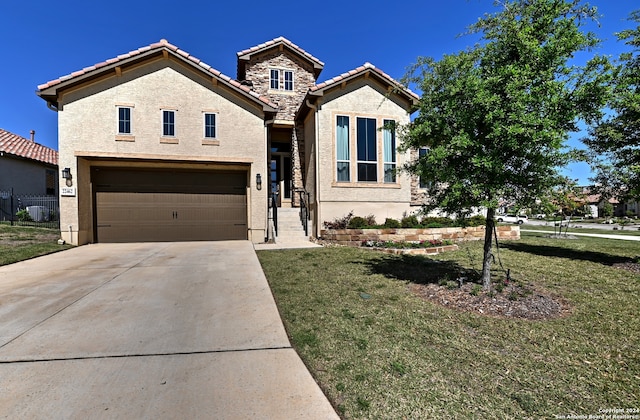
[68,191]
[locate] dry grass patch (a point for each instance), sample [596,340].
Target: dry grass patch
[20,243]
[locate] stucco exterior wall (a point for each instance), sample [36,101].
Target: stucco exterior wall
[88,123]
[24,176]
[363,98]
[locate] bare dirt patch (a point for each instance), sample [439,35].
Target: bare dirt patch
[514,301]
[629,266]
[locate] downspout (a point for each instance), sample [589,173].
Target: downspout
[317,168]
[52,106]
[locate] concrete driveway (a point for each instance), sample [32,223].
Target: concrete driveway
[148,330]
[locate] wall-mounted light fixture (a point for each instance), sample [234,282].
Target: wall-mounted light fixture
[66,174]
[258,182]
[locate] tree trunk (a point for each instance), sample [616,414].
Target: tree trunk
[486,260]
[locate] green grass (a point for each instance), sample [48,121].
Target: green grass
[395,355]
[21,243]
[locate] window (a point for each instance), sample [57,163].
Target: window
[342,152]
[210,126]
[275,83]
[421,153]
[389,146]
[288,80]
[275,79]
[50,182]
[367,153]
[169,123]
[124,120]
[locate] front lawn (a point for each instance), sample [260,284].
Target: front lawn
[19,243]
[379,350]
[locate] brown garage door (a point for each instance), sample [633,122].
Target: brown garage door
[169,205]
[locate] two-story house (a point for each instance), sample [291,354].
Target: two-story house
[160,146]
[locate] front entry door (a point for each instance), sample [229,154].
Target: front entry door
[280,169]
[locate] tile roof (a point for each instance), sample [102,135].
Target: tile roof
[162,44]
[277,41]
[19,146]
[358,71]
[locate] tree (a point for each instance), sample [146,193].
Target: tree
[494,118]
[617,136]
[568,198]
[607,210]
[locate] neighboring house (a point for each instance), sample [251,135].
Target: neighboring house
[620,208]
[26,167]
[163,147]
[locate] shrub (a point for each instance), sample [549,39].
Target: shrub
[24,216]
[436,222]
[371,220]
[391,223]
[477,220]
[410,222]
[357,223]
[339,222]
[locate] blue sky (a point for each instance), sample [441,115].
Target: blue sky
[43,40]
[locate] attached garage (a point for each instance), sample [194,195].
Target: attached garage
[156,205]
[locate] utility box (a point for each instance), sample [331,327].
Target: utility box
[38,213]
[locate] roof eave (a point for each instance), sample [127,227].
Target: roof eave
[396,88]
[50,93]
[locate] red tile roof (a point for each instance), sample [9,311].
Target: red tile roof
[359,71]
[19,146]
[162,44]
[278,41]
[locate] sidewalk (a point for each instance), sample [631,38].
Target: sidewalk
[593,235]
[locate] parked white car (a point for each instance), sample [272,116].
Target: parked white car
[512,218]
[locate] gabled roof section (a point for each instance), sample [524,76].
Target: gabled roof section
[282,42]
[49,91]
[19,146]
[365,70]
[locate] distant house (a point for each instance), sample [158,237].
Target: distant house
[620,208]
[163,147]
[26,167]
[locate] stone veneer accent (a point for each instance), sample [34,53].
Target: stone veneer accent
[418,195]
[257,72]
[457,234]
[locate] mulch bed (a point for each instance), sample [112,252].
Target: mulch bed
[514,301]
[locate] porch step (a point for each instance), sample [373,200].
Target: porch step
[289,226]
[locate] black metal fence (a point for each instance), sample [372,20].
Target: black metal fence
[29,210]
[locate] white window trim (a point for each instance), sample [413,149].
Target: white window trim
[284,80]
[281,79]
[130,107]
[204,125]
[175,125]
[271,70]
